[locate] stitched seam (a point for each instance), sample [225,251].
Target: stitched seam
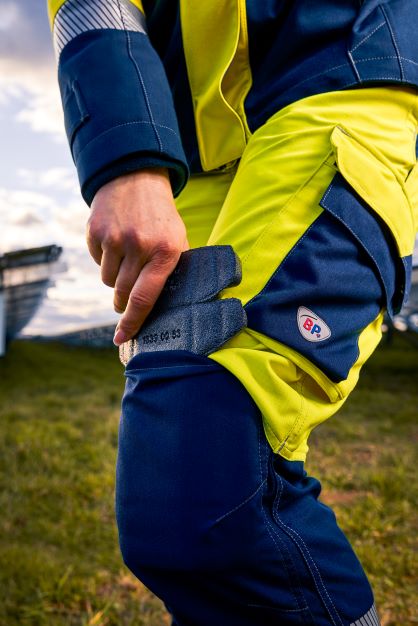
[283,209]
[168,367]
[350,56]
[222,517]
[394,228]
[141,80]
[294,532]
[339,218]
[409,60]
[263,606]
[109,130]
[289,254]
[299,422]
[391,78]
[293,429]
[274,530]
[268,524]
[393,56]
[330,69]
[395,43]
[368,36]
[273,533]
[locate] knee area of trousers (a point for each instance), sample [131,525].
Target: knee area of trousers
[188,452]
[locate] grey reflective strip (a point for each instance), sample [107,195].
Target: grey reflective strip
[369,619]
[79,16]
[199,328]
[200,275]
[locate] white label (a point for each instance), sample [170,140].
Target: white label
[311,326]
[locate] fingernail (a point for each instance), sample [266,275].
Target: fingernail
[119,337]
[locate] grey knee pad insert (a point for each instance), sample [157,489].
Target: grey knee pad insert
[188,315]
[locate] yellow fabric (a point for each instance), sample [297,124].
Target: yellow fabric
[54,6]
[138,4]
[264,205]
[219,79]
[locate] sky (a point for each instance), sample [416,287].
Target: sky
[40,201]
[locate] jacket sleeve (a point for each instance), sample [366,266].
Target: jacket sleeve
[118,110]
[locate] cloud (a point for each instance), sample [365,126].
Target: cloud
[40,206]
[28,73]
[27,219]
[55,178]
[53,220]
[9,16]
[35,217]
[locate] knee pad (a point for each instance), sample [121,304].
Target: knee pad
[188,315]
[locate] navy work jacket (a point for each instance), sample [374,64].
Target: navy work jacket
[184,83]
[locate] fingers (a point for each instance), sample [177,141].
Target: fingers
[129,270]
[94,246]
[110,264]
[144,294]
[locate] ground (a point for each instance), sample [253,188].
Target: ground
[59,558]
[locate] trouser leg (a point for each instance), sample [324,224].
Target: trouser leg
[210,519]
[217,523]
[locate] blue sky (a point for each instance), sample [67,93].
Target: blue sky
[40,202]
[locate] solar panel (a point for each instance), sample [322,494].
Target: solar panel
[24,278]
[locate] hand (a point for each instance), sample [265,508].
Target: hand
[136,235]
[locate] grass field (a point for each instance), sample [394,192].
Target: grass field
[59,558]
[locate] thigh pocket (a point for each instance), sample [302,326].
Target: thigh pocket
[352,263]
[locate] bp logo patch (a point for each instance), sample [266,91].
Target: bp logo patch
[311,326]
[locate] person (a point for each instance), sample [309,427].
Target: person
[286,133]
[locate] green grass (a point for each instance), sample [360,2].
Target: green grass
[59,558]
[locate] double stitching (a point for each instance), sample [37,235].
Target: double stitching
[357,238]
[368,36]
[241,504]
[140,79]
[109,130]
[293,534]
[288,255]
[273,533]
[395,43]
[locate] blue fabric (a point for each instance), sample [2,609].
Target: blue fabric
[342,201]
[164,31]
[298,48]
[343,269]
[210,519]
[119,105]
[125,165]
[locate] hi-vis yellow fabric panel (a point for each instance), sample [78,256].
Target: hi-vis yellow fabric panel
[54,6]
[411,186]
[219,76]
[266,204]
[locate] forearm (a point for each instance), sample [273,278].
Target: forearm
[118,109]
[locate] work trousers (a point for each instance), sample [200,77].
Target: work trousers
[216,513]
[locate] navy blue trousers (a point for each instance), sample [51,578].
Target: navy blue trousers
[223,530]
